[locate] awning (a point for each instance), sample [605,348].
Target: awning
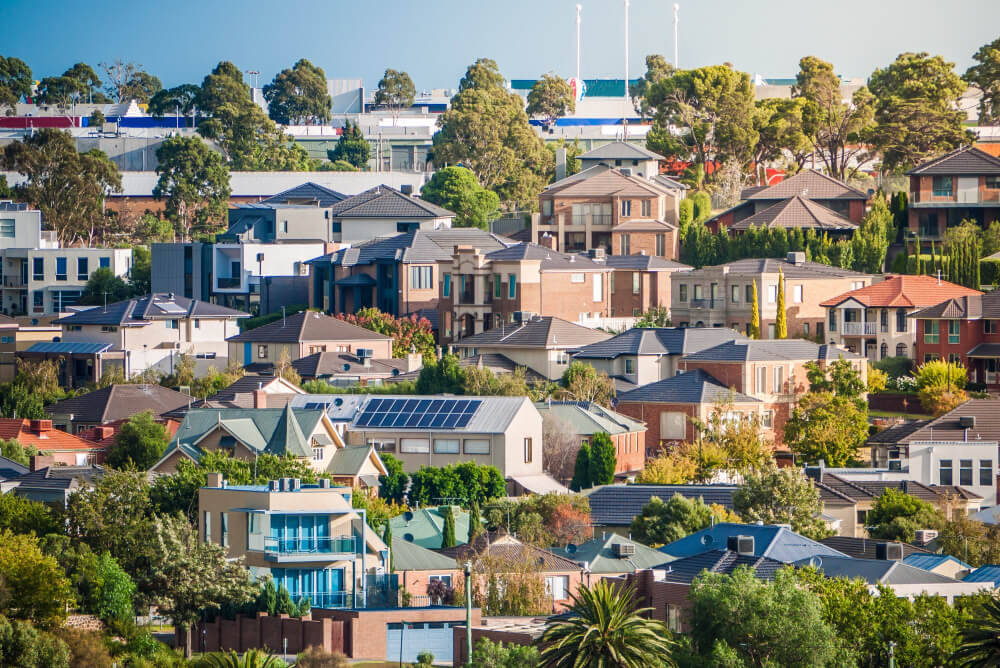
[985,350]
[69,347]
[539,484]
[358,280]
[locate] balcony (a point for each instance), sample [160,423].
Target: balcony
[305,548]
[703,303]
[226,283]
[860,328]
[12,282]
[594,220]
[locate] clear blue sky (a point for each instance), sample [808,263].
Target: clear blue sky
[434,40]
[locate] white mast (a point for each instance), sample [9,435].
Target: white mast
[676,8]
[578,8]
[626,49]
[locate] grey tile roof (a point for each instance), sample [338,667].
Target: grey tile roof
[838,490]
[791,270]
[765,350]
[493,416]
[385,202]
[117,402]
[873,571]
[140,311]
[772,541]
[308,192]
[668,182]
[811,184]
[420,247]
[606,182]
[966,160]
[338,364]
[550,260]
[308,326]
[691,387]
[947,428]
[968,307]
[58,477]
[722,562]
[897,432]
[865,548]
[797,211]
[539,332]
[658,341]
[507,549]
[495,362]
[643,262]
[620,150]
[617,505]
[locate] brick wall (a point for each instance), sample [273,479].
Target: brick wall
[266,632]
[365,630]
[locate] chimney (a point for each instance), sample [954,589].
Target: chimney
[40,426]
[548,240]
[560,163]
[259,398]
[38,462]
[414,361]
[213,480]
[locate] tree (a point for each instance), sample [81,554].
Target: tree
[964,245]
[298,95]
[559,447]
[24,646]
[896,515]
[395,92]
[972,541]
[502,586]
[104,287]
[442,376]
[486,129]
[448,532]
[581,470]
[781,496]
[657,69]
[664,522]
[89,83]
[38,588]
[409,333]
[251,141]
[981,638]
[669,468]
[457,189]
[488,654]
[117,591]
[284,369]
[828,427]
[755,323]
[743,620]
[193,180]
[16,452]
[140,275]
[392,486]
[834,127]
[481,381]
[223,86]
[606,627]
[941,384]
[551,98]
[15,82]
[656,316]
[96,119]
[317,657]
[252,658]
[179,100]
[60,92]
[139,444]
[916,109]
[741,443]
[984,75]
[780,127]
[128,81]
[544,520]
[22,516]
[66,186]
[188,575]
[352,147]
[467,482]
[584,383]
[872,238]
[602,460]
[781,323]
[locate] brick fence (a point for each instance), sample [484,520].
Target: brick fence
[267,632]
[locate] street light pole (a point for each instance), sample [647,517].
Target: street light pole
[468,613]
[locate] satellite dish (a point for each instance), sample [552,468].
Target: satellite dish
[408,537]
[707,539]
[571,549]
[815,562]
[338,402]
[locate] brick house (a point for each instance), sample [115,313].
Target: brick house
[609,208]
[798,212]
[878,320]
[480,290]
[962,329]
[640,282]
[963,184]
[722,295]
[584,419]
[60,448]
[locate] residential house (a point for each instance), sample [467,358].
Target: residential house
[644,355]
[302,334]
[670,407]
[416,567]
[611,555]
[341,409]
[722,295]
[59,447]
[879,320]
[113,403]
[542,344]
[942,564]
[398,274]
[989,573]
[774,541]
[827,200]
[640,283]
[306,538]
[871,548]
[494,362]
[505,432]
[249,275]
[962,329]
[383,210]
[963,184]
[609,208]
[138,334]
[613,507]
[52,484]
[425,526]
[640,160]
[249,391]
[347,369]
[798,212]
[583,419]
[483,290]
[298,214]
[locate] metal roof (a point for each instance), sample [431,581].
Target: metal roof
[69,347]
[865,548]
[987,573]
[618,505]
[407,556]
[772,541]
[140,311]
[424,527]
[872,571]
[690,387]
[929,562]
[766,350]
[589,418]
[599,555]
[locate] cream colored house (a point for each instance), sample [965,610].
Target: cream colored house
[41,281]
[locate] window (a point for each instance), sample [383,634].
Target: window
[197,323]
[446,579]
[446,446]
[207,519]
[106,261]
[317,454]
[884,320]
[930,331]
[109,329]
[413,445]
[7,227]
[284,227]
[761,386]
[546,207]
[171,324]
[748,294]
[562,357]
[661,245]
[883,351]
[37,300]
[420,278]
[930,357]
[779,378]
[635,282]
[646,209]
[262,352]
[942,186]
[673,426]
[511,286]
[224,527]
[496,286]
[767,419]
[699,292]
[797,294]
[227,442]
[477,446]
[81,269]
[953,331]
[944,472]
[598,290]
[993,182]
[61,269]
[862,517]
[383,444]
[336,227]
[626,207]
[611,282]
[734,294]
[986,472]
[770,330]
[446,289]
[626,245]
[682,292]
[900,350]
[674,618]
[901,320]
[557,587]
[772,294]
[576,278]
[965,472]
[527,451]
[989,326]
[629,365]
[38,269]
[407,228]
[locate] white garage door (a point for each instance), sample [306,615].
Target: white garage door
[434,637]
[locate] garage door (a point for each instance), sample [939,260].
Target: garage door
[434,637]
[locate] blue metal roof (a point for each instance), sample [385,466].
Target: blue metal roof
[931,561]
[771,541]
[69,347]
[988,573]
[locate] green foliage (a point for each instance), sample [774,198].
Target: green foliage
[896,515]
[583,382]
[545,520]
[781,321]
[941,384]
[409,333]
[139,444]
[702,203]
[395,92]
[753,622]
[457,189]
[657,316]
[259,321]
[392,486]
[128,81]
[194,181]
[581,470]
[895,367]
[317,657]
[298,95]
[179,99]
[551,98]
[963,245]
[686,214]
[252,658]
[664,522]
[829,427]
[352,147]
[14,451]
[441,376]
[488,654]
[780,124]
[37,588]
[602,459]
[755,314]
[116,591]
[483,382]
[378,511]
[984,75]
[21,515]
[871,240]
[980,638]
[657,69]
[425,658]
[466,482]
[448,532]
[140,276]
[24,646]
[15,82]
[781,496]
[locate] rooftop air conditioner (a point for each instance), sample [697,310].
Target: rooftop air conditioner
[624,549]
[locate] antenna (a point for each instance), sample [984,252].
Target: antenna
[676,21]
[626,48]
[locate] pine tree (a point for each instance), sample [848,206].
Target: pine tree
[755,315]
[581,469]
[448,532]
[781,324]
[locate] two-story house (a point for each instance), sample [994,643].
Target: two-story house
[722,295]
[609,208]
[481,290]
[139,334]
[963,184]
[879,321]
[384,210]
[962,329]
[623,155]
[640,282]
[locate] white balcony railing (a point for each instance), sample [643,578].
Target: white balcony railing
[860,328]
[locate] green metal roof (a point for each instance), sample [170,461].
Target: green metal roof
[426,527]
[348,461]
[589,418]
[599,554]
[407,556]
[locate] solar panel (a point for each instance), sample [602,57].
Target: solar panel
[417,413]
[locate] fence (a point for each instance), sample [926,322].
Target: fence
[282,633]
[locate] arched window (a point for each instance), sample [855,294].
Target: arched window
[883,351]
[901,350]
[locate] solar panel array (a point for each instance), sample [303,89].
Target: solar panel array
[418,413]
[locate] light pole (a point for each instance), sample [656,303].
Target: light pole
[468,613]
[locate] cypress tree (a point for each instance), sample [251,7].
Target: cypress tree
[448,532]
[475,521]
[919,268]
[755,315]
[387,539]
[933,258]
[581,469]
[602,460]
[781,324]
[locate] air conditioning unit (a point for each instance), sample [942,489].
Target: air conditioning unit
[624,549]
[924,536]
[889,551]
[365,353]
[302,269]
[740,544]
[184,389]
[967,422]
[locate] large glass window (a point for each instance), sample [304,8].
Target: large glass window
[38,269]
[965,472]
[413,445]
[931,331]
[626,245]
[661,245]
[446,446]
[735,294]
[7,227]
[61,269]
[942,186]
[901,320]
[511,286]
[953,331]
[477,446]
[447,285]
[528,454]
[986,472]
[207,521]
[635,282]
[82,272]
[944,472]
[224,527]
[420,278]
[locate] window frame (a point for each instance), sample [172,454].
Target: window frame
[528,447]
[932,332]
[511,286]
[466,446]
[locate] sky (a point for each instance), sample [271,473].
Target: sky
[435,40]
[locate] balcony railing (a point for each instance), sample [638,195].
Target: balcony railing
[703,303]
[597,220]
[311,545]
[860,328]
[225,283]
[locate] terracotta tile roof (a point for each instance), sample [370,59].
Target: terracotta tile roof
[40,434]
[902,291]
[795,212]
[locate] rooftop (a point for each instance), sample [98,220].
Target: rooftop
[119,401]
[643,262]
[966,307]
[548,259]
[587,418]
[620,150]
[308,326]
[812,184]
[415,247]
[961,161]
[308,193]
[538,332]
[873,571]
[466,414]
[838,490]
[425,526]
[690,387]
[140,311]
[604,182]
[797,211]
[723,562]
[386,202]
[507,549]
[948,428]
[599,555]
[617,505]
[792,270]
[658,341]
[772,541]
[903,291]
[865,548]
[765,350]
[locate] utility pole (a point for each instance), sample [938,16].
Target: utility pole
[626,48]
[468,613]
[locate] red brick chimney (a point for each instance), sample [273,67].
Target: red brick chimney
[259,398]
[40,426]
[548,241]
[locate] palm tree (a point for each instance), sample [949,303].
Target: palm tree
[252,658]
[980,646]
[605,630]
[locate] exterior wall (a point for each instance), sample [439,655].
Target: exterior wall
[630,451]
[650,413]
[646,368]
[284,259]
[415,582]
[971,333]
[356,230]
[45,292]
[245,633]
[870,343]
[272,351]
[642,242]
[182,268]
[27,225]
[654,290]
[548,362]
[365,630]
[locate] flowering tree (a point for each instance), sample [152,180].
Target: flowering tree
[409,333]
